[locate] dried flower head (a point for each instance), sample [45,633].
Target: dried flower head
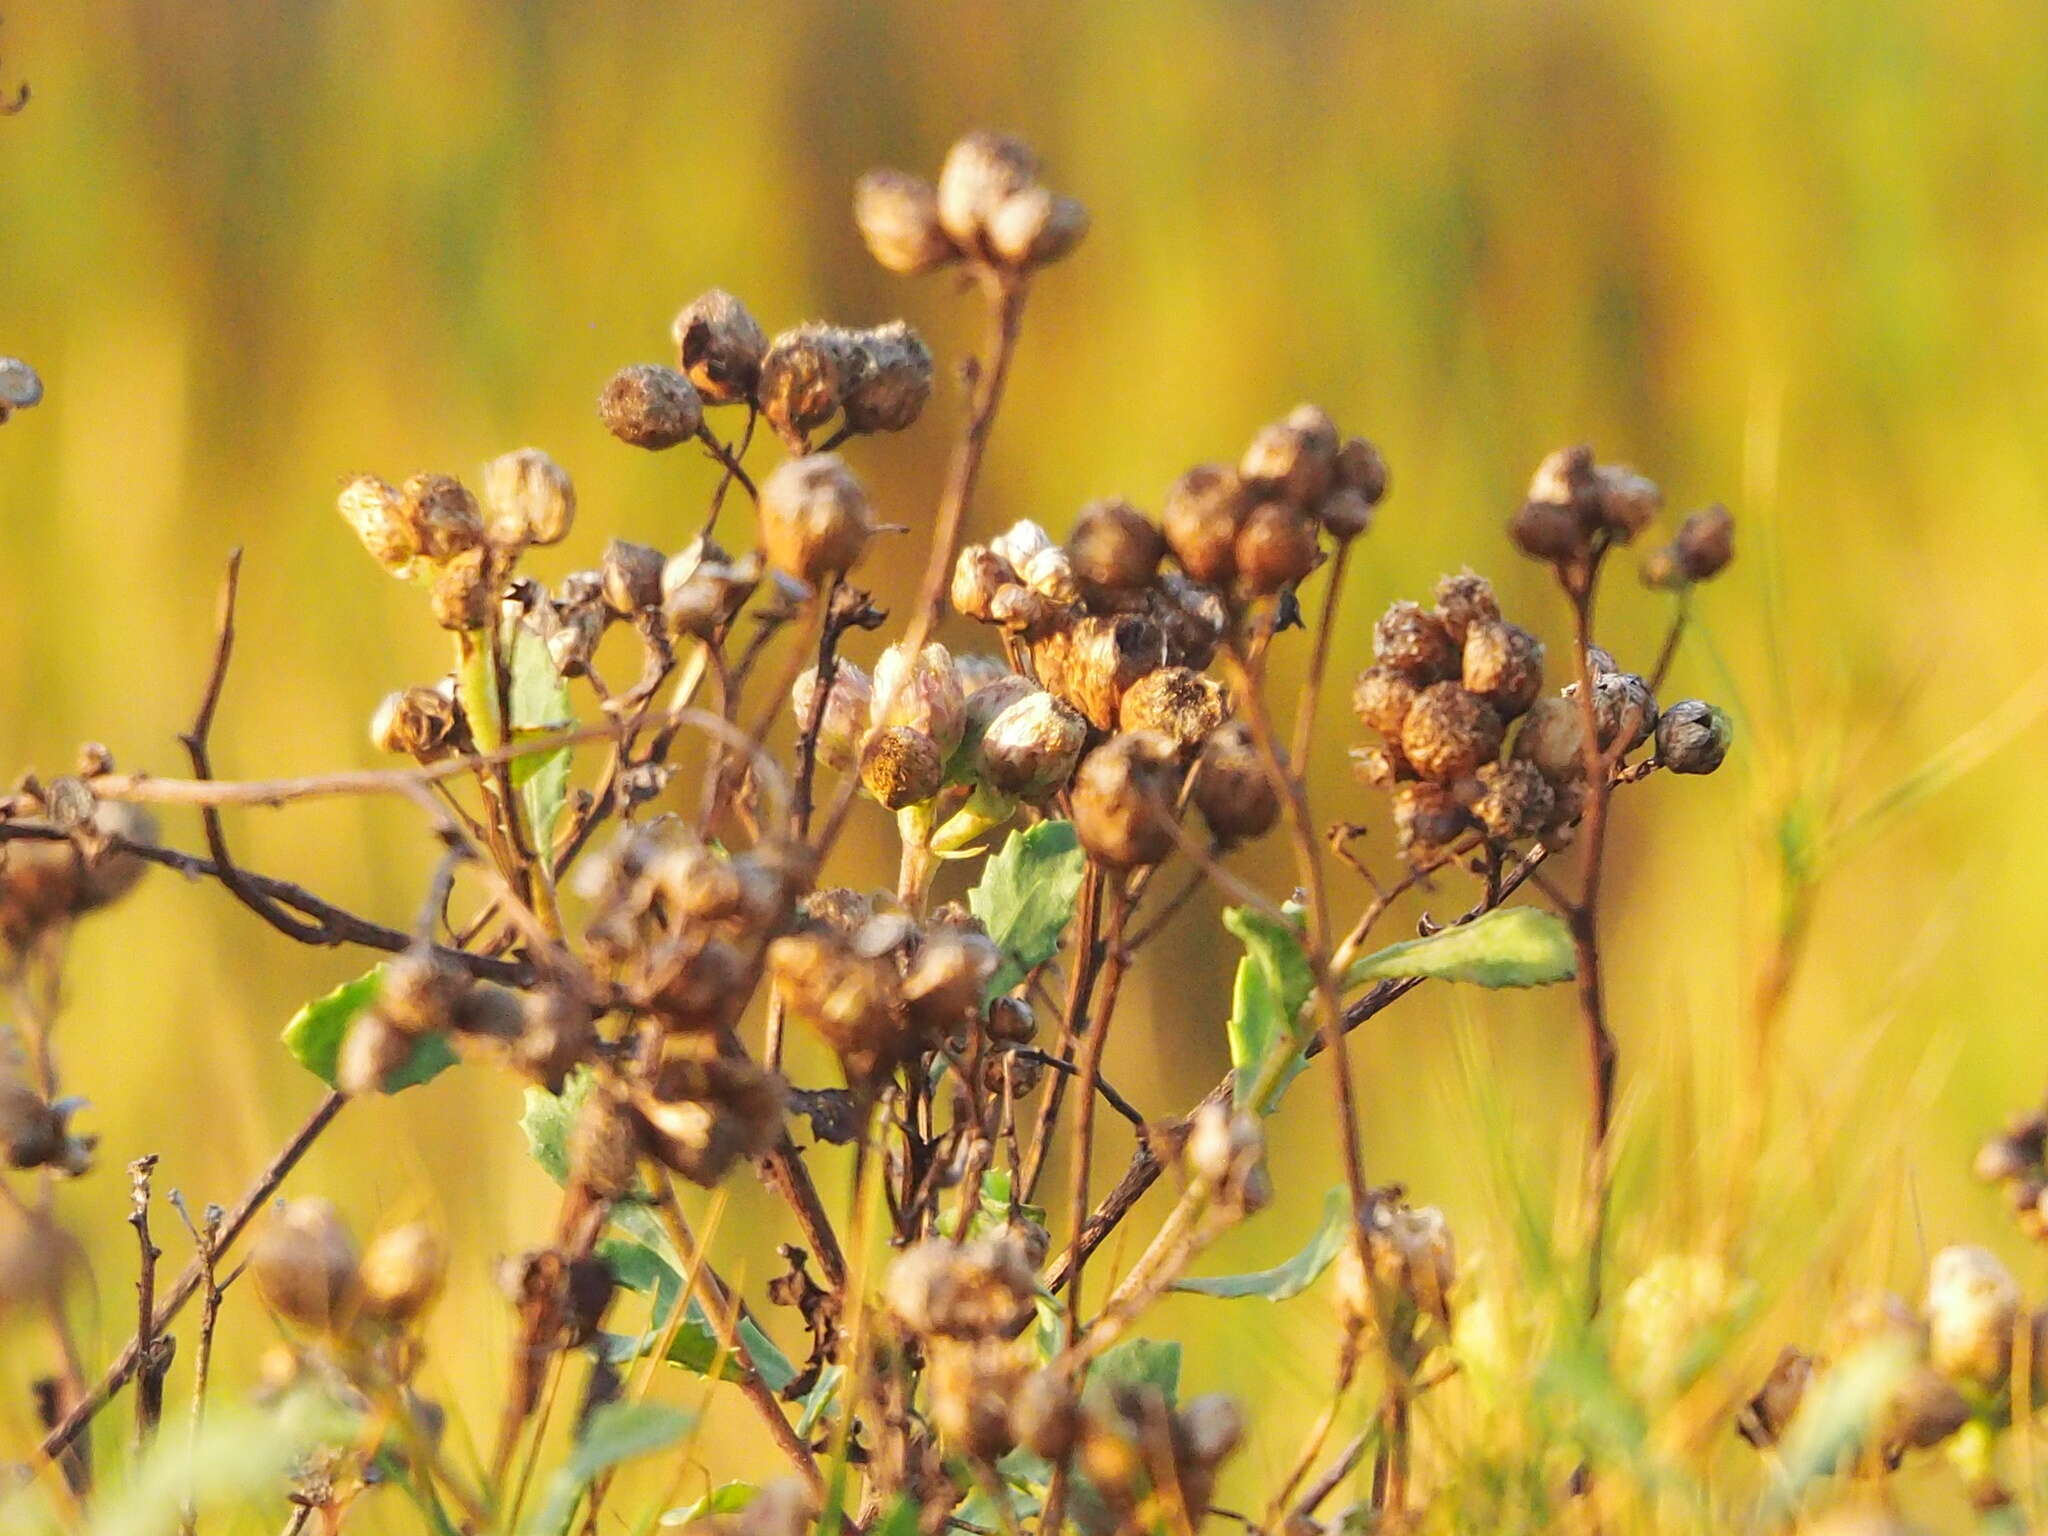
[1449,732]
[889,380]
[1275,548]
[1233,791]
[898,218]
[1693,736]
[1123,800]
[815,520]
[304,1264]
[421,723]
[376,511]
[1031,748]
[1200,521]
[1035,227]
[1114,548]
[981,171]
[528,499]
[1503,664]
[804,378]
[720,346]
[1178,703]
[650,406]
[631,576]
[845,720]
[1294,460]
[1416,644]
[402,1272]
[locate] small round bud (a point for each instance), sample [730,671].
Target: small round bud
[1627,501]
[421,723]
[402,1273]
[1623,708]
[720,346]
[1344,513]
[1114,546]
[1449,732]
[814,518]
[376,511]
[1123,800]
[1548,531]
[1427,818]
[20,386]
[460,598]
[631,574]
[1693,736]
[1416,644]
[902,766]
[898,218]
[845,720]
[1382,698]
[1234,792]
[1045,1415]
[1035,227]
[890,380]
[1553,737]
[304,1264]
[528,499]
[1464,600]
[1972,1305]
[442,516]
[371,1054]
[1020,541]
[1031,748]
[804,378]
[1705,544]
[650,407]
[1503,664]
[1200,520]
[1515,801]
[1275,548]
[1361,468]
[1178,703]
[1293,460]
[979,574]
[1567,478]
[1211,1428]
[981,170]
[922,692]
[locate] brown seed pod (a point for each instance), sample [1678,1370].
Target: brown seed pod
[1382,698]
[704,588]
[1293,460]
[1548,531]
[1091,661]
[1427,819]
[981,171]
[461,595]
[1114,546]
[1344,513]
[1030,749]
[815,520]
[371,1052]
[1361,468]
[1627,501]
[1275,548]
[1463,600]
[902,766]
[1036,227]
[631,574]
[442,516]
[304,1264]
[705,1116]
[889,381]
[1705,543]
[898,218]
[402,1272]
[556,1035]
[1515,800]
[604,1147]
[376,511]
[980,1289]
[528,499]
[1382,767]
[1553,736]
[970,1384]
[720,346]
[1568,478]
[33,1133]
[943,983]
[1415,644]
[1200,520]
[1623,707]
[1693,737]
[803,379]
[1123,800]
[854,1001]
[1503,665]
[1233,791]
[650,407]
[979,574]
[420,990]
[1045,1415]
[422,723]
[1178,703]
[1449,733]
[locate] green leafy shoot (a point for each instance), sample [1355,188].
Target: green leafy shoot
[1507,947]
[1025,898]
[1294,1276]
[316,1032]
[1272,986]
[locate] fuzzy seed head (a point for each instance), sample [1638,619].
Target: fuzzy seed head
[1382,698]
[979,1289]
[815,520]
[650,407]
[901,765]
[720,346]
[1449,732]
[1030,750]
[528,499]
[1200,520]
[1416,644]
[1178,703]
[1693,736]
[1503,664]
[898,218]
[1123,800]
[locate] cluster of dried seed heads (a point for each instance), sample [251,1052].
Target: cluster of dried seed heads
[989,208]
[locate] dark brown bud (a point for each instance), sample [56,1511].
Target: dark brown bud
[1549,531]
[1463,600]
[402,1272]
[1449,733]
[1275,548]
[528,499]
[1568,478]
[1382,698]
[35,1134]
[1091,661]
[1705,543]
[804,379]
[1515,800]
[632,577]
[421,723]
[902,766]
[1011,1021]
[1293,460]
[1344,513]
[704,1116]
[650,407]
[1123,800]
[1035,227]
[1693,737]
[981,171]
[376,511]
[1361,468]
[979,574]
[898,218]
[1114,546]
[1045,1415]
[304,1264]
[1030,748]
[815,520]
[1627,501]
[1416,644]
[720,346]
[442,516]
[1503,665]
[889,381]
[1200,520]
[1233,791]
[1176,702]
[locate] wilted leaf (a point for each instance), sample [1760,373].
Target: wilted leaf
[1508,947]
[316,1032]
[1273,983]
[1298,1273]
[1025,897]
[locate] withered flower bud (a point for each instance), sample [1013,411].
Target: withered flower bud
[1567,478]
[1553,737]
[890,380]
[1123,800]
[1515,800]
[1114,546]
[1036,227]
[650,407]
[898,218]
[402,1272]
[571,632]
[1427,818]
[804,378]
[1627,500]
[1090,662]
[370,1053]
[1179,703]
[1361,468]
[1704,545]
[1011,1021]
[419,991]
[1382,767]
[1045,1415]
[376,511]
[1623,709]
[942,987]
[981,170]
[1293,460]
[1210,1429]
[1275,548]
[556,1035]
[461,594]
[720,346]
[604,1147]
[845,720]
[902,766]
[1972,1306]
[1234,792]
[1413,1259]
[705,1116]
[1200,520]
[1693,736]
[922,692]
[1382,698]
[1549,531]
[1050,574]
[421,723]
[304,1264]
[35,1134]
[970,1384]
[20,386]
[815,519]
[1464,600]
[1020,541]
[979,573]
[1503,665]
[528,499]
[442,516]
[632,577]
[852,1000]
[702,587]
[989,700]
[1031,748]
[1344,513]
[1020,610]
[1416,644]
[974,1290]
[1449,733]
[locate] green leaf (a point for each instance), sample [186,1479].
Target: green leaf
[992,1210]
[1151,1363]
[316,1032]
[615,1433]
[1508,947]
[1025,897]
[1298,1273]
[539,698]
[1273,983]
[819,1399]
[546,1120]
[902,1519]
[725,1499]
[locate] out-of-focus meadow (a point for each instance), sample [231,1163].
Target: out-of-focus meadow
[1792,257]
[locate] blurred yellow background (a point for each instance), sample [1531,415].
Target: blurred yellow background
[1792,257]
